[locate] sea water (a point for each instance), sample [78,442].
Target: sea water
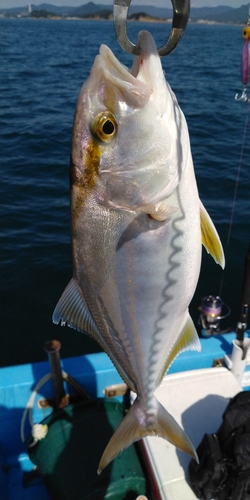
[43,66]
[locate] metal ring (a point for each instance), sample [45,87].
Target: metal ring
[180,19]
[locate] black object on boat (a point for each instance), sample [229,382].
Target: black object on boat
[224,469]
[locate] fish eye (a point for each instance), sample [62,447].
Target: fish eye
[104,126]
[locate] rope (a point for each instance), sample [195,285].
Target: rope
[42,381]
[30,404]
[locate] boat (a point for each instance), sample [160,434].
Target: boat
[57,416]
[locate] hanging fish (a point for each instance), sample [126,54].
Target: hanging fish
[137,227]
[245,65]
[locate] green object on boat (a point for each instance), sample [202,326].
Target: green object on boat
[68,456]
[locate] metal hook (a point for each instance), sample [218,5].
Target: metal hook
[243,97]
[180,19]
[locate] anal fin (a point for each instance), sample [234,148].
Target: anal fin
[187,340]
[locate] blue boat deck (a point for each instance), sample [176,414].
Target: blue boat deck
[93,372]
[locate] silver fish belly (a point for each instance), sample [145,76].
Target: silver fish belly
[136,246]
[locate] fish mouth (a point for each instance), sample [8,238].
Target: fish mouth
[147,65]
[136,85]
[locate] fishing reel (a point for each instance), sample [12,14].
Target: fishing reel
[211,314]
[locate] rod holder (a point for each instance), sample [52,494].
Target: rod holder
[52,347]
[237,361]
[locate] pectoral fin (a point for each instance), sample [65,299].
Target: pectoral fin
[210,237]
[161,211]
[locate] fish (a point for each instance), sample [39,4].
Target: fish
[137,229]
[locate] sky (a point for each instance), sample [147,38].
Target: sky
[7,4]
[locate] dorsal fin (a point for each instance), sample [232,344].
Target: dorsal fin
[73,311]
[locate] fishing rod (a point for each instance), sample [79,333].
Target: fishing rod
[211,306]
[245,294]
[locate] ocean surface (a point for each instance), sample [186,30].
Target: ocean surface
[43,66]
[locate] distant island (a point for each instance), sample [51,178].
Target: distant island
[146,13]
